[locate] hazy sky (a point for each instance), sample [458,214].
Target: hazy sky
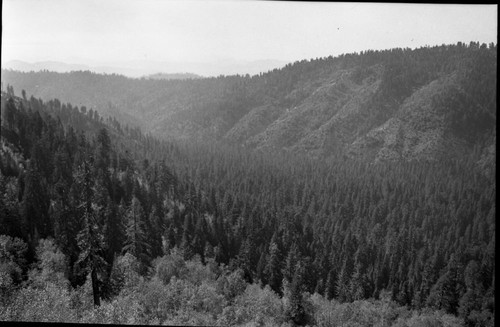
[114,31]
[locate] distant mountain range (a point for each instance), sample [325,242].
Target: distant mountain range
[137,69]
[430,103]
[53,66]
[173,76]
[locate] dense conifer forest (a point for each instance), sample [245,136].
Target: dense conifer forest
[102,223]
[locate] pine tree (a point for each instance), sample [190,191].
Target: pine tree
[291,263]
[136,240]
[330,285]
[261,267]
[103,159]
[245,258]
[428,279]
[342,284]
[34,206]
[187,236]
[9,114]
[272,269]
[90,238]
[61,215]
[471,300]
[296,311]
[356,289]
[155,231]
[446,293]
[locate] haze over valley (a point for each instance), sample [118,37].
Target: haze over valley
[138,69]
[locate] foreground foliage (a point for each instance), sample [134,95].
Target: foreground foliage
[179,292]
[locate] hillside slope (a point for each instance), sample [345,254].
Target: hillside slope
[398,104]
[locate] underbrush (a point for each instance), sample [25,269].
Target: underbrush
[179,292]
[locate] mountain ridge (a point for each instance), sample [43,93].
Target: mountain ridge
[399,104]
[168,76]
[143,68]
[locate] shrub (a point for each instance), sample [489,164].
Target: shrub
[48,304]
[171,265]
[125,273]
[196,272]
[122,310]
[207,299]
[381,313]
[255,305]
[12,261]
[232,285]
[51,267]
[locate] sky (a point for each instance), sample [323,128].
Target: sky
[114,32]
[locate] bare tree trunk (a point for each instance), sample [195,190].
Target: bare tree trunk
[95,288]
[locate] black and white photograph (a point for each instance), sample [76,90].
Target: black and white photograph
[248,163]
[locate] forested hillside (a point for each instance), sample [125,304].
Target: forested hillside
[95,213]
[429,103]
